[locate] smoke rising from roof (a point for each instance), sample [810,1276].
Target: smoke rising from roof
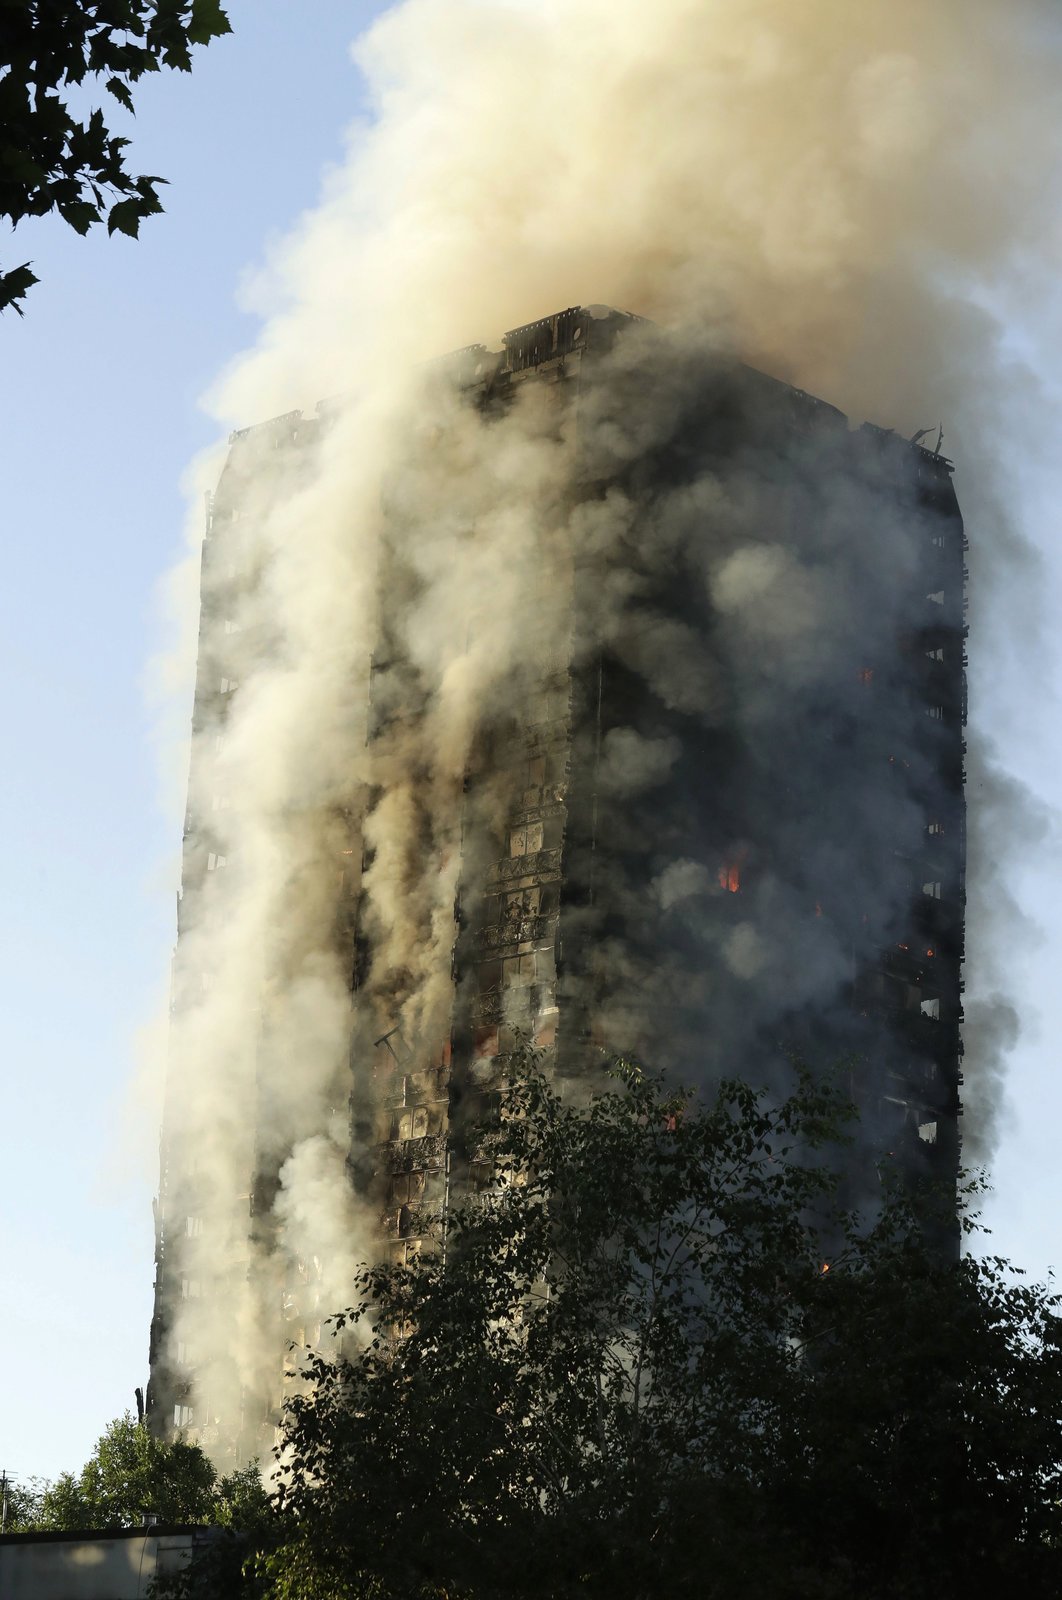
[837,195]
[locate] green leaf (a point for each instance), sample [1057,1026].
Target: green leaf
[121,93]
[145,187]
[14,286]
[208,21]
[80,214]
[125,218]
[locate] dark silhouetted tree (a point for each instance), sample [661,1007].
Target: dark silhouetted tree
[622,1371]
[57,153]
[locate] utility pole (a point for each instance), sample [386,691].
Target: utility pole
[3,1501]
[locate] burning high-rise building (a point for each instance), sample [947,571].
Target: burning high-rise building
[646,734]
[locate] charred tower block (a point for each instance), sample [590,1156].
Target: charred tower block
[704,803]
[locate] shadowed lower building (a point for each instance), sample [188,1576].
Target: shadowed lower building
[651,741]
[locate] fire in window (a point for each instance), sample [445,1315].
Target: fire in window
[730,876]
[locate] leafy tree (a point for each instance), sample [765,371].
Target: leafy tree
[920,1449]
[628,1374]
[24,1498]
[217,1572]
[241,1502]
[131,1472]
[58,155]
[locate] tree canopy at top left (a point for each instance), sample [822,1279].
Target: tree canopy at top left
[57,152]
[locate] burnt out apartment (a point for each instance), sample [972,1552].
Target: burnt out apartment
[653,744]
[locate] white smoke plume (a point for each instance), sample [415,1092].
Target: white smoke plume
[838,194]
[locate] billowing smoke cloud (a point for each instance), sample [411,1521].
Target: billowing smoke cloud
[837,194]
[1001,812]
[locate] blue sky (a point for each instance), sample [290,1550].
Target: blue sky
[100,417]
[100,398]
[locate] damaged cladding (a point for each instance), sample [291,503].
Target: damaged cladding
[709,810]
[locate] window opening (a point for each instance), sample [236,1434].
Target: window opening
[526,839]
[730,877]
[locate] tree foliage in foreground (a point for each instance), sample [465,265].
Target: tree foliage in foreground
[57,154]
[630,1376]
[130,1473]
